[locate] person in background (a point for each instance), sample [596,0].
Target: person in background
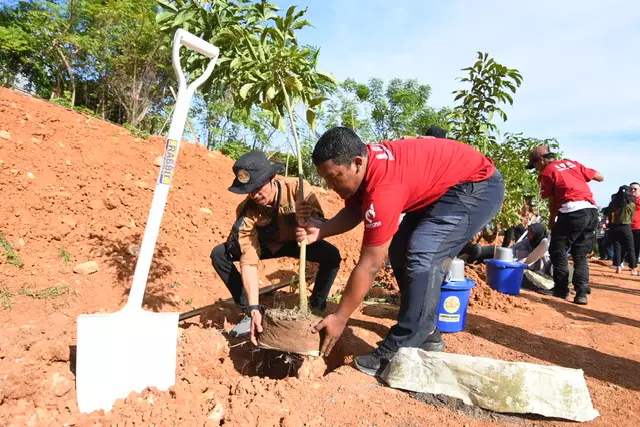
[602,236]
[528,215]
[436,132]
[621,213]
[573,218]
[265,228]
[635,224]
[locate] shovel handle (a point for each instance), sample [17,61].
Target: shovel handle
[169,159]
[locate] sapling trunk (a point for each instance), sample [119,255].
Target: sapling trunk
[302,284]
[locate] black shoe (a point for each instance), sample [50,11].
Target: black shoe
[560,294]
[375,362]
[434,342]
[580,299]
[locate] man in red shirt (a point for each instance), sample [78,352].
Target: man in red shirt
[573,218]
[448,191]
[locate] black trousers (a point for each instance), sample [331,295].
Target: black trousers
[324,253]
[573,231]
[623,245]
[636,242]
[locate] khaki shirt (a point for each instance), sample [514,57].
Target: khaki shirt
[256,227]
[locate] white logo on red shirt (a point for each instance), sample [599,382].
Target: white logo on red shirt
[369,217]
[385,153]
[565,166]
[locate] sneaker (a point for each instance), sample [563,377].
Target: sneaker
[375,362]
[434,342]
[242,329]
[580,299]
[560,294]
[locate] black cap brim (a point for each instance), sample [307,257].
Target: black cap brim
[530,165]
[239,188]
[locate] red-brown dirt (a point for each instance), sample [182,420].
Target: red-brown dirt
[76,189]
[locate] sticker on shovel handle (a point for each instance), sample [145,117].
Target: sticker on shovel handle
[168,162]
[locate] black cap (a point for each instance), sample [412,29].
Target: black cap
[436,131]
[252,171]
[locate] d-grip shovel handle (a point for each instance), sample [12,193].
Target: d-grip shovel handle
[169,158]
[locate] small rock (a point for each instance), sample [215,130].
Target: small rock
[158,161]
[4,134]
[60,144]
[207,211]
[14,171]
[68,162]
[28,116]
[86,268]
[215,416]
[1,162]
[141,184]
[133,250]
[19,142]
[59,384]
[35,140]
[132,223]
[30,175]
[21,241]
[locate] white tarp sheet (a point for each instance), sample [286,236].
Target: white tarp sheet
[511,387]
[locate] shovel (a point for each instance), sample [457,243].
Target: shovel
[538,252]
[132,349]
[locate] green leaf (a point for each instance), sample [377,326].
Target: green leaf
[244,90]
[167,5]
[294,84]
[311,119]
[271,93]
[317,101]
[328,77]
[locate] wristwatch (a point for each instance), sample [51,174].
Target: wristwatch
[256,307]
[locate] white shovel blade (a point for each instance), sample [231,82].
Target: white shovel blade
[538,252]
[123,352]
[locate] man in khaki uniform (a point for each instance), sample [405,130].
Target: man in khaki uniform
[266,228]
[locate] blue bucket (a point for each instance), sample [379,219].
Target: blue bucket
[454,300]
[505,276]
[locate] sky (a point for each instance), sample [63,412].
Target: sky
[580,62]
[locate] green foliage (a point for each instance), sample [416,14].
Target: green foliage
[491,85]
[104,56]
[64,254]
[10,254]
[138,133]
[234,149]
[6,299]
[378,113]
[51,292]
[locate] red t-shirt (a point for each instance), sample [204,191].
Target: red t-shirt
[635,224]
[404,176]
[566,181]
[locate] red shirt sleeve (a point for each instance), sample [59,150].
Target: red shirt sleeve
[381,212]
[546,184]
[587,173]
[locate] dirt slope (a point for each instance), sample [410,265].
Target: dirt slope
[76,189]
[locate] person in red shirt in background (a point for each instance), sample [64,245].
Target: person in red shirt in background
[573,218]
[635,225]
[448,192]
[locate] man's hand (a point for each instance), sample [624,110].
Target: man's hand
[333,326]
[256,325]
[310,232]
[304,210]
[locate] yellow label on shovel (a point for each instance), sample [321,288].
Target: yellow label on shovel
[168,162]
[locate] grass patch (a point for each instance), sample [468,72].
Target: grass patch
[188,301]
[6,299]
[64,254]
[51,292]
[10,253]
